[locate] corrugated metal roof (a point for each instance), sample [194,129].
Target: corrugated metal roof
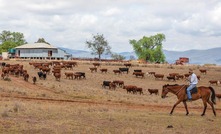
[37,45]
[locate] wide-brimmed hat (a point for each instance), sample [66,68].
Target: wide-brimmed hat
[190,70]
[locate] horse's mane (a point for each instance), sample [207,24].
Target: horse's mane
[172,85]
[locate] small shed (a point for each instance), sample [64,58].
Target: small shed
[184,59]
[41,51]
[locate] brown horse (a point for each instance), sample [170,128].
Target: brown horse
[203,93]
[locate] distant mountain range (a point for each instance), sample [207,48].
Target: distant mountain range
[209,56]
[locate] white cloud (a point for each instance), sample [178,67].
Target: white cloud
[112,11]
[187,24]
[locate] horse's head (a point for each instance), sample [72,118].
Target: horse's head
[175,89]
[164,91]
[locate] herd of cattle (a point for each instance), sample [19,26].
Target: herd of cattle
[55,67]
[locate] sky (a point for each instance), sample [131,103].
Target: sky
[187,24]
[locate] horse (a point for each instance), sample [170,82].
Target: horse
[203,93]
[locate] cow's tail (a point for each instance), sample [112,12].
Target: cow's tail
[213,96]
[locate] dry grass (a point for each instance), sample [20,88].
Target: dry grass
[83,106]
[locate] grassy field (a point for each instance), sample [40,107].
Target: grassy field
[83,106]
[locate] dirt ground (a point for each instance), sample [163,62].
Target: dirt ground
[83,106]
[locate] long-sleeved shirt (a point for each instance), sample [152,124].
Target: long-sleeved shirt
[193,79]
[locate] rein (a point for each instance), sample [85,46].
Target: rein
[179,89]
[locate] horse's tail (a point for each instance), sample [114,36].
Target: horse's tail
[213,96]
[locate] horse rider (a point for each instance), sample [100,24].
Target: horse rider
[193,82]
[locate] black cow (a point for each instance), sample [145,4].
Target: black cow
[3,64]
[34,79]
[42,75]
[137,70]
[26,76]
[124,70]
[82,74]
[106,84]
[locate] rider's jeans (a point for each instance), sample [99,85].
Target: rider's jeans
[188,90]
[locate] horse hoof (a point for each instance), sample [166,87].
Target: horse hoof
[202,114]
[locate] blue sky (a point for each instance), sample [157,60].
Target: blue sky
[187,24]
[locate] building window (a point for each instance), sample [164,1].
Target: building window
[49,53]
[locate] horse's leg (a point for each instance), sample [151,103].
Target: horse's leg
[211,104]
[205,106]
[185,105]
[175,106]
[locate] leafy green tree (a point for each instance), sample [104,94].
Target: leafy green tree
[158,54]
[10,40]
[5,36]
[42,40]
[16,37]
[7,45]
[149,48]
[117,57]
[98,45]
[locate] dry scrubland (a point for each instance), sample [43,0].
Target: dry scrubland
[83,106]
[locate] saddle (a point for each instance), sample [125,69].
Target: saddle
[193,91]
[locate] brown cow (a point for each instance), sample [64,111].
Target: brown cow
[127,64]
[171,78]
[57,76]
[56,71]
[120,83]
[130,88]
[218,96]
[159,76]
[69,75]
[140,90]
[68,66]
[138,74]
[180,76]
[93,69]
[3,75]
[186,75]
[112,86]
[151,73]
[17,72]
[117,71]
[203,71]
[173,75]
[153,91]
[46,69]
[103,70]
[213,82]
[5,70]
[96,64]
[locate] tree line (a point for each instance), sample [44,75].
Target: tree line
[146,48]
